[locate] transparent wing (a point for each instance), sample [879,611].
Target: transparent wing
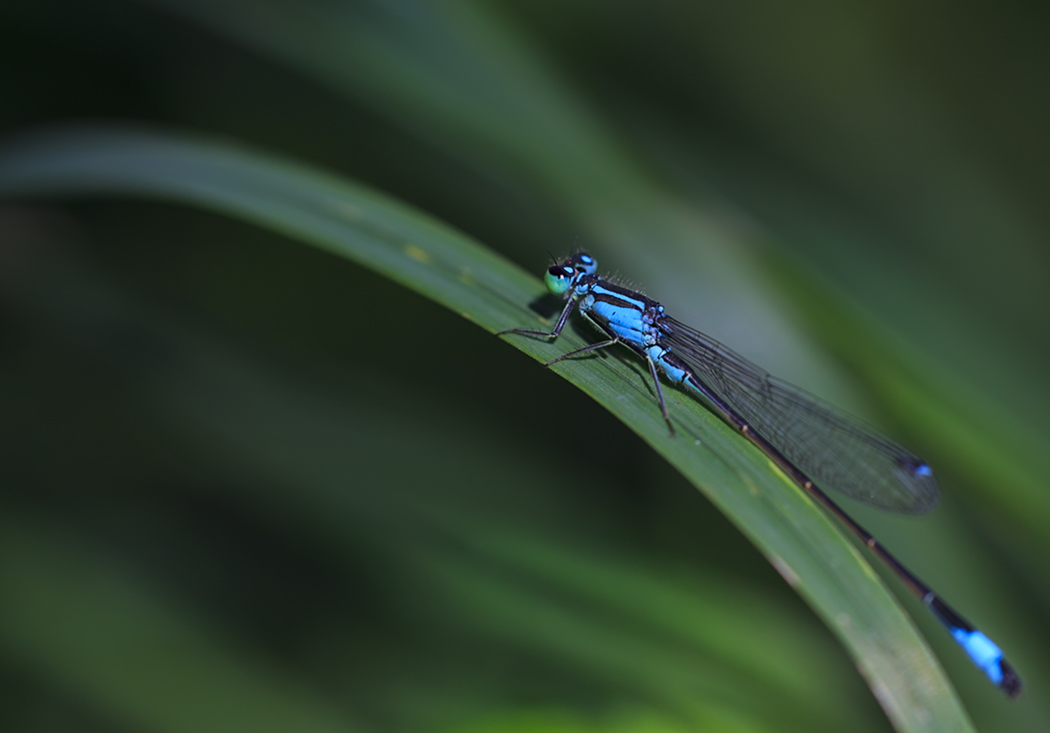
[834,449]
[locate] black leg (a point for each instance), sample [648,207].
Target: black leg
[543,334]
[660,394]
[585,349]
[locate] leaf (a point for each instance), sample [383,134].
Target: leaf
[803,544]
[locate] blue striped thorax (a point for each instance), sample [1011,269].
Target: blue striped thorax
[619,312]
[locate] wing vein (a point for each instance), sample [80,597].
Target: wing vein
[836,450]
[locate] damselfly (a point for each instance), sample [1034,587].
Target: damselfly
[812,441]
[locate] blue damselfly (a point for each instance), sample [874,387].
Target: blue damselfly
[814,443]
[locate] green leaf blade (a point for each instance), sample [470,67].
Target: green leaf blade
[809,551]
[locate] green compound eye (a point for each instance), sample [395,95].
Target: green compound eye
[559,278]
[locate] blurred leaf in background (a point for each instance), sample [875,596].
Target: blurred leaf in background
[251,486]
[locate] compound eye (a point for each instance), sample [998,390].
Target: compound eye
[560,271]
[559,278]
[584,263]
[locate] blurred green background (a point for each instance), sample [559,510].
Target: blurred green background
[251,486]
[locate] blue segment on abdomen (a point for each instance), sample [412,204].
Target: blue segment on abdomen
[983,651]
[658,354]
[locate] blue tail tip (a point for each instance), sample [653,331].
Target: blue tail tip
[986,655]
[1011,683]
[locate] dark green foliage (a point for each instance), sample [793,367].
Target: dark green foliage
[251,485]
